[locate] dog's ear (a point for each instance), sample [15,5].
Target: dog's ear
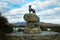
[29,5]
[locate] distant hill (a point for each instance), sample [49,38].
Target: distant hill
[49,24]
[19,23]
[43,26]
[40,23]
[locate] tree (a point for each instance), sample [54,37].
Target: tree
[4,28]
[9,29]
[4,25]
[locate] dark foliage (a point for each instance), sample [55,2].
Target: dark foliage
[4,25]
[4,28]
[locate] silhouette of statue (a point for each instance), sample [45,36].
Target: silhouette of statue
[31,10]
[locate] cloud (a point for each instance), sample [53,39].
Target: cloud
[14,20]
[35,5]
[18,11]
[55,21]
[41,6]
[14,1]
[3,6]
[38,6]
[6,5]
[48,11]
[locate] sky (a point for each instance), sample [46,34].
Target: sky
[47,10]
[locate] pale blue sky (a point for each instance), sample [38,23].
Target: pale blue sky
[47,10]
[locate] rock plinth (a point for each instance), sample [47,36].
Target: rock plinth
[32,25]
